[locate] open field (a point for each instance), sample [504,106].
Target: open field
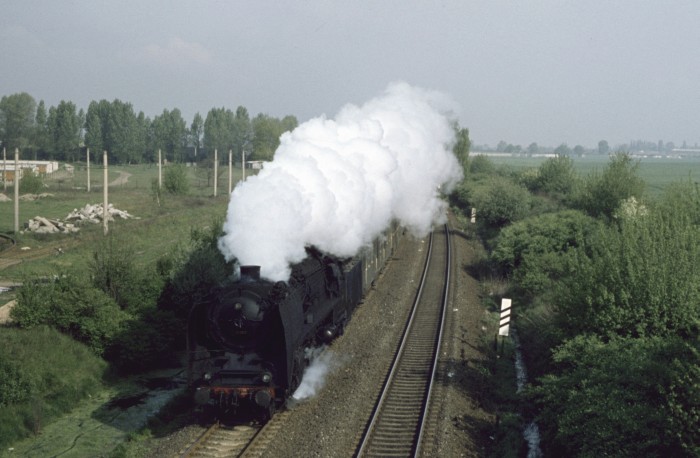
[156,230]
[657,173]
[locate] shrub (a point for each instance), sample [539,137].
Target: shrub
[638,279]
[500,201]
[601,195]
[72,307]
[30,183]
[175,180]
[612,399]
[533,250]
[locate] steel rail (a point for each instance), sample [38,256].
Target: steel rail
[396,425]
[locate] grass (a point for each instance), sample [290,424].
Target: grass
[158,229]
[657,173]
[55,373]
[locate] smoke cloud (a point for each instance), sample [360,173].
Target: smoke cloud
[336,184]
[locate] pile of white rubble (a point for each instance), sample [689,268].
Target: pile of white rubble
[88,214]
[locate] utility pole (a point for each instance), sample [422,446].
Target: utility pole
[16,180]
[160,171]
[216,169]
[88,169]
[242,165]
[4,169]
[230,171]
[105,211]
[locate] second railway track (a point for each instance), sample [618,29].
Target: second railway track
[396,427]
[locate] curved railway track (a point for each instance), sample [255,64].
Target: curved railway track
[397,425]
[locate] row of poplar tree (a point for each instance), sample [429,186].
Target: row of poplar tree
[62,132]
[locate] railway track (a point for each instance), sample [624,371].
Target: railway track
[397,424]
[222,441]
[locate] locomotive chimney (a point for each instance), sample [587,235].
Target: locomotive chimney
[250,272]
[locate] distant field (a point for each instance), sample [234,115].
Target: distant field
[657,173]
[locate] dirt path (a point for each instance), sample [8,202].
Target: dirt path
[122,179]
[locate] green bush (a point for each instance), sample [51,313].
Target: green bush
[31,183]
[601,195]
[114,271]
[71,306]
[500,201]
[175,180]
[612,399]
[640,278]
[533,251]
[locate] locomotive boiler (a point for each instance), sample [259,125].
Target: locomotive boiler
[246,343]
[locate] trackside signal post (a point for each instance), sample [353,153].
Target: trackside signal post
[504,321]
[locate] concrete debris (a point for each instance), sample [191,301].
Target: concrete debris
[91,213]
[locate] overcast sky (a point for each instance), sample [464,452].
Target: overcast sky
[550,71]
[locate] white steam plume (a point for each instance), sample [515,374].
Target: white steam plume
[322,362]
[336,184]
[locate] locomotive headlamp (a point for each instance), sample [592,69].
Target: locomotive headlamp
[238,306]
[266,377]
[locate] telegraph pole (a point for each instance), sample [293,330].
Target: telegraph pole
[160,171]
[230,171]
[105,211]
[16,180]
[216,169]
[88,169]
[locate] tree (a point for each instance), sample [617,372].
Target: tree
[602,194]
[266,132]
[196,131]
[122,133]
[562,150]
[94,137]
[17,118]
[219,130]
[603,147]
[556,175]
[64,129]
[461,146]
[42,140]
[579,150]
[170,134]
[533,148]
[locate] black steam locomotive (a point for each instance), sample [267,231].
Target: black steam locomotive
[246,344]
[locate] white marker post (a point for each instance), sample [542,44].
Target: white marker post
[504,322]
[473,219]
